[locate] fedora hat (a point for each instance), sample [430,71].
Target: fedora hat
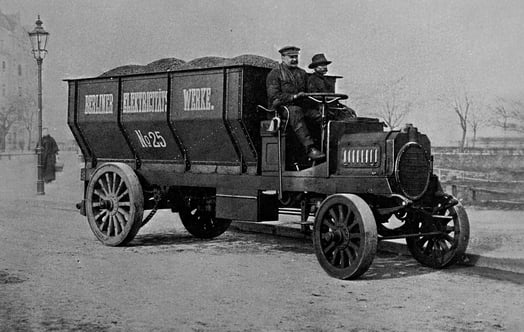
[318,60]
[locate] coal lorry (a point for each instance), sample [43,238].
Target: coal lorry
[198,138]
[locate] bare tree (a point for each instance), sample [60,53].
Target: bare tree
[517,116]
[507,114]
[389,102]
[8,116]
[460,102]
[477,119]
[27,113]
[21,111]
[501,114]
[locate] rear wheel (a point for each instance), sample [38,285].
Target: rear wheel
[442,250]
[114,204]
[200,221]
[345,236]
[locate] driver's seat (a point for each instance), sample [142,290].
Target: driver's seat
[292,151]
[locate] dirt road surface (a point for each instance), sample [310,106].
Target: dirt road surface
[55,276]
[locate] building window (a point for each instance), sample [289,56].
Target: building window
[19,70]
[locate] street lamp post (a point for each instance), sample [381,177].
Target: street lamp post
[39,42]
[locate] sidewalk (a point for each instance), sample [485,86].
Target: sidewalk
[18,181]
[496,236]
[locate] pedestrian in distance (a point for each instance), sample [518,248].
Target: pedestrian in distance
[49,152]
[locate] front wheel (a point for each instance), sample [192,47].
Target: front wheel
[345,236]
[445,249]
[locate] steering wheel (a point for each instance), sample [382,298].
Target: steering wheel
[325,98]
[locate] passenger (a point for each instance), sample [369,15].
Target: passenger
[286,86]
[318,82]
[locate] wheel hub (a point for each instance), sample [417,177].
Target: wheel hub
[340,235]
[110,204]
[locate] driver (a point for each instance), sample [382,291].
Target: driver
[318,82]
[285,86]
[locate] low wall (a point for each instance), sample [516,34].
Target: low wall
[480,162]
[485,198]
[483,177]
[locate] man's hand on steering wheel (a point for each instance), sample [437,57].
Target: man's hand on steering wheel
[299,95]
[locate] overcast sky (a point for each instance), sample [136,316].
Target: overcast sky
[435,45]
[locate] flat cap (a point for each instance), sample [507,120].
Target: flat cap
[289,50]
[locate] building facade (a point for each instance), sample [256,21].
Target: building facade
[18,86]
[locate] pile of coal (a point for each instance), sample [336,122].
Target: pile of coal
[124,70]
[253,60]
[214,61]
[174,64]
[162,65]
[204,62]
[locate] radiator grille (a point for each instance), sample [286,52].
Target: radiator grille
[412,170]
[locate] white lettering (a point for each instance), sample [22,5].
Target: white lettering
[99,104]
[197,99]
[141,139]
[145,102]
[151,139]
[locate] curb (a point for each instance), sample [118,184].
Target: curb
[48,203]
[504,264]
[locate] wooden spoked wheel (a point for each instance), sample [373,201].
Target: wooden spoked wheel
[202,223]
[114,204]
[345,236]
[439,251]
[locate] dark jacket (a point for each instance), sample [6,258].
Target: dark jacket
[319,83]
[50,149]
[283,82]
